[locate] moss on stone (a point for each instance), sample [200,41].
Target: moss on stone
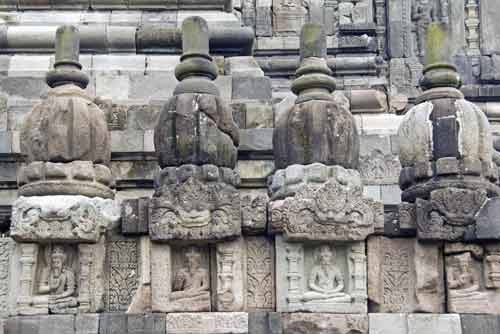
[438,50]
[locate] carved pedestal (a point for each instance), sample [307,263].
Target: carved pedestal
[328,277]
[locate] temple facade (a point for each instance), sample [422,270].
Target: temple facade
[249,167]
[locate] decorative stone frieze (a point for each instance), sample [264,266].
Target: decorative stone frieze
[73,219]
[261,292]
[197,203]
[208,323]
[330,207]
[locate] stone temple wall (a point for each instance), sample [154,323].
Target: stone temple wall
[397,277]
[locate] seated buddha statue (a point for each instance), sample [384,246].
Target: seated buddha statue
[325,282]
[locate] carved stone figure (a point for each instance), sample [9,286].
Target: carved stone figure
[191,283]
[57,283]
[492,269]
[423,13]
[460,278]
[325,282]
[196,203]
[326,278]
[354,11]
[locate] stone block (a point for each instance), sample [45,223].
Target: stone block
[322,323]
[135,216]
[264,323]
[230,276]
[404,276]
[60,324]
[5,142]
[112,86]
[254,212]
[251,88]
[386,323]
[127,141]
[256,140]
[391,194]
[472,282]
[207,323]
[87,323]
[254,173]
[263,21]
[113,323]
[143,116]
[152,86]
[479,324]
[260,284]
[434,323]
[487,226]
[489,29]
[25,325]
[146,324]
[299,266]
[121,39]
[242,66]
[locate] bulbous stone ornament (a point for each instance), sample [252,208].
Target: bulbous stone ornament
[196,126]
[445,140]
[68,125]
[317,128]
[65,137]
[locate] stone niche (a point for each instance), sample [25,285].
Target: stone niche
[60,279]
[302,284]
[198,278]
[473,278]
[405,276]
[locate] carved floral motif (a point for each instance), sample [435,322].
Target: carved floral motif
[260,273]
[332,211]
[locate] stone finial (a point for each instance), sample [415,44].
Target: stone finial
[67,68]
[314,81]
[312,41]
[196,70]
[439,72]
[309,132]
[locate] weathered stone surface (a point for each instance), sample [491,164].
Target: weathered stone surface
[385,323]
[135,216]
[450,214]
[479,324]
[434,323]
[321,323]
[180,279]
[55,287]
[251,88]
[73,178]
[254,213]
[300,286]
[393,282]
[122,256]
[62,218]
[87,323]
[207,323]
[196,129]
[114,323]
[6,275]
[300,132]
[329,206]
[264,323]
[230,278]
[261,270]
[472,278]
[196,203]
[487,224]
